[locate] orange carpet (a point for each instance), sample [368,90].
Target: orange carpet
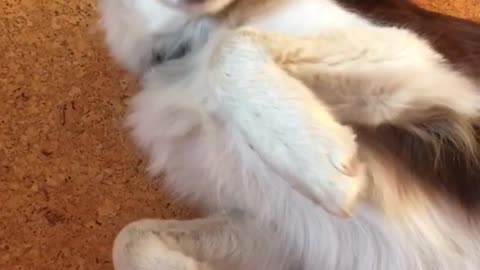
[69,178]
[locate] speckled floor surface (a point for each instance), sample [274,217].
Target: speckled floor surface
[69,178]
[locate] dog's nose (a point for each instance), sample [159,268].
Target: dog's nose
[180,51]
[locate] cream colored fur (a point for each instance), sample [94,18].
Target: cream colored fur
[235,129]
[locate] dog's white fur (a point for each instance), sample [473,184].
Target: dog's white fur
[196,119]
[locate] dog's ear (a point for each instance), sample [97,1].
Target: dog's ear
[199,7]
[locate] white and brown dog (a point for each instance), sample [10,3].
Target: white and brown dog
[316,105]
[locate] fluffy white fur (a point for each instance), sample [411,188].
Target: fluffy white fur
[234,132]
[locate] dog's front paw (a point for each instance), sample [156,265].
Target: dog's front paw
[339,193]
[338,181]
[349,175]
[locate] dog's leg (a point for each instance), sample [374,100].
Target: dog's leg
[223,241]
[370,75]
[283,123]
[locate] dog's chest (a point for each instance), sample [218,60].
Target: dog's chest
[304,17]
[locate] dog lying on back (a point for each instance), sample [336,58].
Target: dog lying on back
[234,116]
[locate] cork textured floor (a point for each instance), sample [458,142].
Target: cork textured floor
[69,177]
